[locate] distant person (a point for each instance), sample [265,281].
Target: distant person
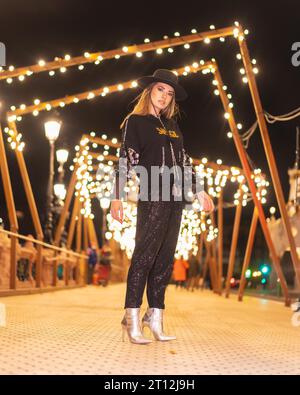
[180,272]
[92,261]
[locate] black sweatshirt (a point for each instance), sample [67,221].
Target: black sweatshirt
[145,142]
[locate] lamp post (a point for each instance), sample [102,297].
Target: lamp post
[60,190]
[52,129]
[61,157]
[104,203]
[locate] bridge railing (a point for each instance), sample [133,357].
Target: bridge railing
[36,265]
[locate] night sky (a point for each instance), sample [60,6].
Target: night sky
[34,30]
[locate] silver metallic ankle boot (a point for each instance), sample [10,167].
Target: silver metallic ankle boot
[131,324]
[153,319]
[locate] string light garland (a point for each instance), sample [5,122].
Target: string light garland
[97,57]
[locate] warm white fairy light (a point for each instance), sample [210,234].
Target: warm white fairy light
[90,95]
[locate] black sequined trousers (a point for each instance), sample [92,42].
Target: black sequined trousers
[157,230]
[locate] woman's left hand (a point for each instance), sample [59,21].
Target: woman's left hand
[205,201]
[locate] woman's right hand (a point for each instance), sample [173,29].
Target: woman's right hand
[116,210]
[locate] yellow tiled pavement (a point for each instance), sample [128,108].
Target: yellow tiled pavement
[78,332]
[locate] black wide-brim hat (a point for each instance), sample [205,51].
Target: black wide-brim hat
[166,76]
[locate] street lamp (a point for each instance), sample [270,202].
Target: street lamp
[61,157]
[60,192]
[52,129]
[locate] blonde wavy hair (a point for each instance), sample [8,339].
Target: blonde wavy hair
[144,101]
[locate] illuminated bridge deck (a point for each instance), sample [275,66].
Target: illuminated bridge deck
[78,332]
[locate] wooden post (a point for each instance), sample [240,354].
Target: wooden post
[28,189]
[234,241]
[205,269]
[75,214]
[79,229]
[10,203]
[269,154]
[248,252]
[92,233]
[246,167]
[67,270]
[13,262]
[220,240]
[85,234]
[54,274]
[39,267]
[214,262]
[211,265]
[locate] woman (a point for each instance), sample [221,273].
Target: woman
[152,140]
